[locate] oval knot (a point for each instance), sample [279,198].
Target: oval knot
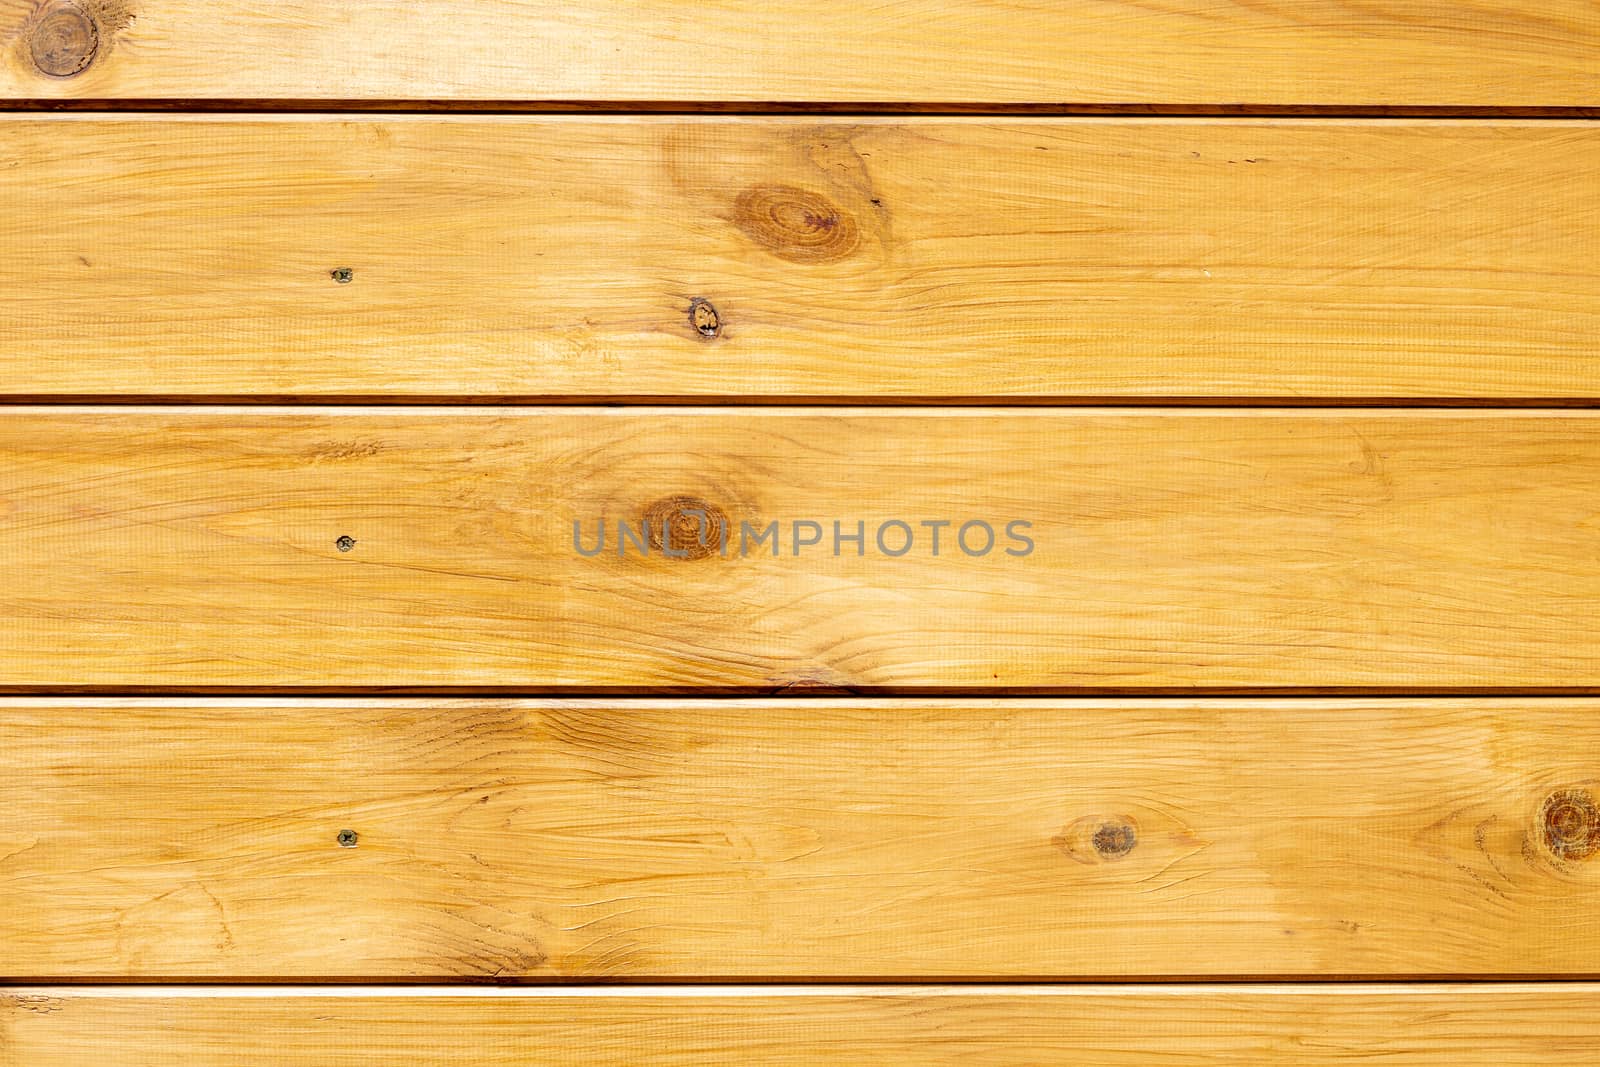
[1099,838]
[796,224]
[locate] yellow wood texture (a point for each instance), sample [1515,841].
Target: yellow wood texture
[681,839]
[1220,548]
[1401,52]
[527,257]
[1492,1025]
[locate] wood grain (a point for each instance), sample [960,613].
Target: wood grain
[771,257]
[1416,52]
[1497,1025]
[794,839]
[198,548]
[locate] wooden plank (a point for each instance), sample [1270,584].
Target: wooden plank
[560,257]
[1223,549]
[1494,1025]
[1498,53]
[679,839]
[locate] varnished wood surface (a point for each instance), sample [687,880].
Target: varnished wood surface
[797,839]
[1118,52]
[1511,1025]
[648,256]
[881,259]
[198,548]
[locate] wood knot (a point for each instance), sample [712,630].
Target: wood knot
[1113,839]
[685,527]
[704,318]
[64,40]
[1099,838]
[1570,824]
[796,224]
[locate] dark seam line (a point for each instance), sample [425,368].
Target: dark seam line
[861,108]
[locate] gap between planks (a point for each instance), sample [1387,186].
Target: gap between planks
[171,108]
[809,988]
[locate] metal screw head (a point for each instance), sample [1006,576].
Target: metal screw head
[345,543]
[342,275]
[348,838]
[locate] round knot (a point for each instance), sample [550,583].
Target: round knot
[1570,824]
[64,40]
[685,527]
[796,224]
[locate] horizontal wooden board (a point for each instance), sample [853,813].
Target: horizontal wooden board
[1494,1025]
[772,257]
[529,840]
[444,548]
[1117,52]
